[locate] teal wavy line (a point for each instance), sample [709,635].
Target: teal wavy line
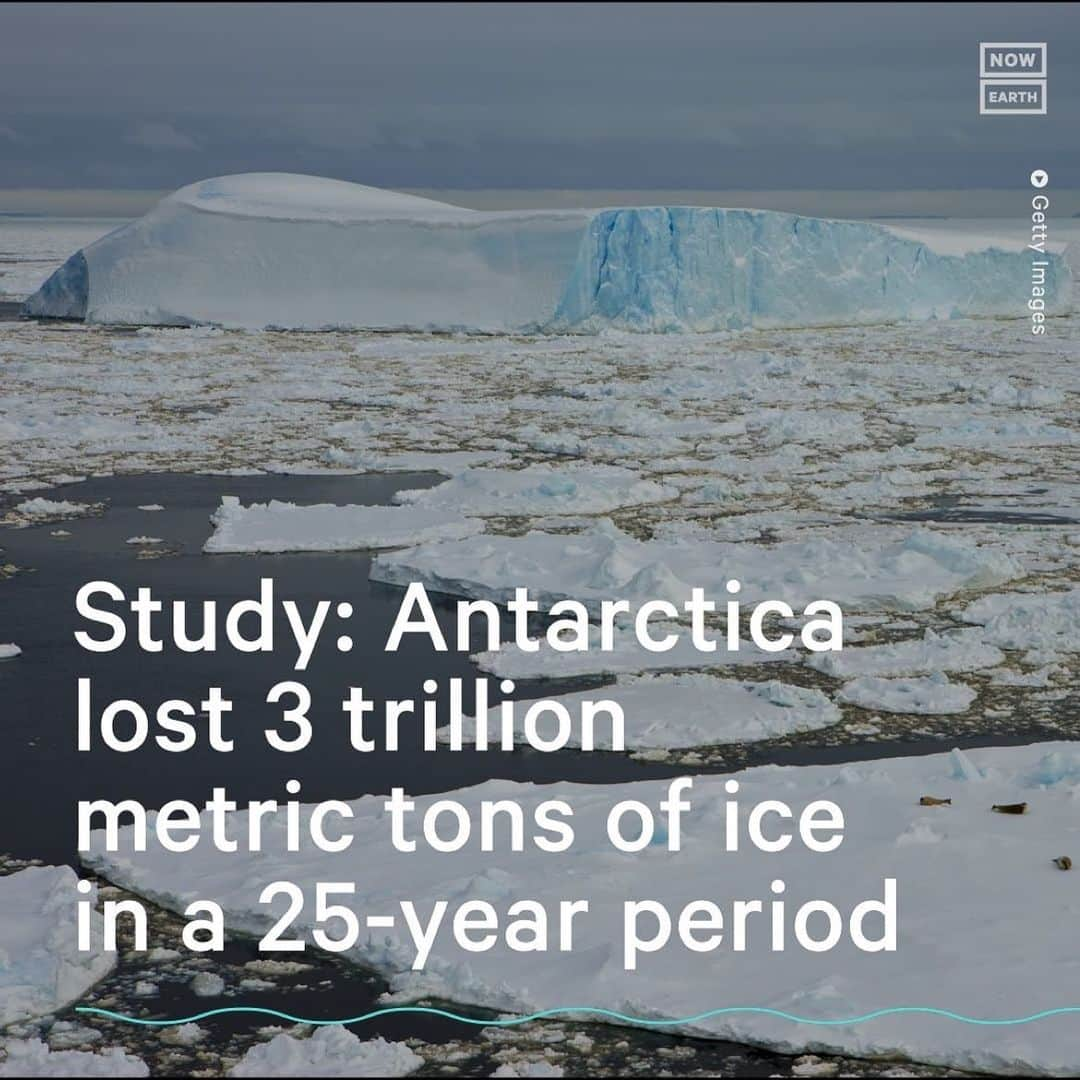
[606,1014]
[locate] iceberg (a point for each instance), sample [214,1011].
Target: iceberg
[277,250]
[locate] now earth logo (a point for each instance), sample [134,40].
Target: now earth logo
[1012,78]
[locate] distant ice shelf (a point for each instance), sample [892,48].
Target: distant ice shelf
[276,250]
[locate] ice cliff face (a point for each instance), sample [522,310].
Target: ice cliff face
[299,252]
[689,268]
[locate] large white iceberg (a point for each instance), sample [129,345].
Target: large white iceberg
[273,249]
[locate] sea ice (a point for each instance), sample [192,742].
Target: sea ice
[41,966]
[360,257]
[930,695]
[626,658]
[330,1051]
[963,650]
[673,712]
[604,563]
[207,984]
[961,899]
[539,489]
[286,526]
[41,509]
[31,1057]
[450,462]
[1042,621]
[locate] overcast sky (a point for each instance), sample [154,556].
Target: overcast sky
[529,96]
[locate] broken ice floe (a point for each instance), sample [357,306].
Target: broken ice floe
[672,712]
[625,658]
[286,526]
[929,695]
[963,650]
[961,900]
[604,563]
[1047,622]
[41,966]
[329,1051]
[540,489]
[32,1058]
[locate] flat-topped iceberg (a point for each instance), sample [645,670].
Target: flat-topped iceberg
[272,249]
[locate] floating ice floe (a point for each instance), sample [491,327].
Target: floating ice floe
[509,1070]
[673,712]
[604,563]
[286,526]
[540,489]
[626,658]
[983,913]
[964,650]
[929,695]
[41,966]
[207,984]
[1047,622]
[325,253]
[40,509]
[31,1057]
[330,1051]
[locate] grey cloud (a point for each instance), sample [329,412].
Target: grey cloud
[159,135]
[443,96]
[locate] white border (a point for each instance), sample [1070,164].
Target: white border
[1013,46]
[1014,83]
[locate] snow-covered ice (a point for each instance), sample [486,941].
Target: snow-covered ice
[539,490]
[672,712]
[361,257]
[330,1051]
[970,885]
[604,562]
[1042,621]
[42,509]
[963,650]
[31,1057]
[207,984]
[627,657]
[286,526]
[41,966]
[929,695]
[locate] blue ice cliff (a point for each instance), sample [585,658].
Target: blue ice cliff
[273,249]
